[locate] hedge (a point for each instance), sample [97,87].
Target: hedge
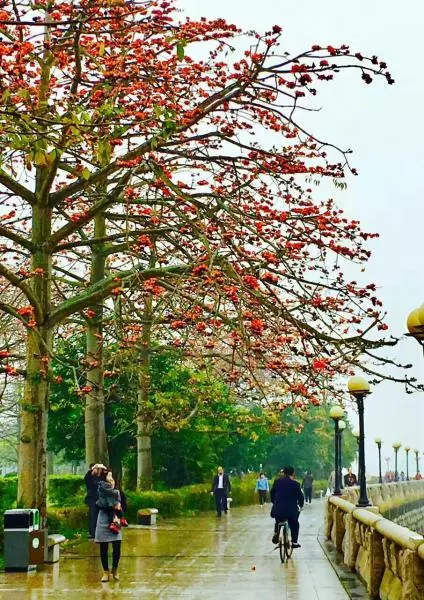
[66,490]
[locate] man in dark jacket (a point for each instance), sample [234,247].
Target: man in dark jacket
[91,481]
[307,484]
[287,498]
[221,487]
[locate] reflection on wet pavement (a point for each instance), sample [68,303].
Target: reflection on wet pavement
[198,558]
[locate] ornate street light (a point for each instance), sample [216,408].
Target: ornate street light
[342,427]
[378,441]
[396,446]
[407,449]
[359,388]
[337,414]
[417,452]
[415,324]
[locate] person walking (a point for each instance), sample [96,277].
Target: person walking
[307,485]
[221,487]
[350,478]
[262,487]
[104,536]
[91,481]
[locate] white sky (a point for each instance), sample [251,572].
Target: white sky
[384,126]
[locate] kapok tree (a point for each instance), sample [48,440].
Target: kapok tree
[115,139]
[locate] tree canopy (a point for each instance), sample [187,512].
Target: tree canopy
[153,174]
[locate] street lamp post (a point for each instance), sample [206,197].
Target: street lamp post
[359,388]
[357,436]
[407,449]
[396,446]
[417,452]
[336,413]
[342,427]
[379,442]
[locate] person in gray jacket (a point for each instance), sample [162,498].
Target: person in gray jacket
[109,499]
[109,505]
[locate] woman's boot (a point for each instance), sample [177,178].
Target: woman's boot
[115,574]
[106,577]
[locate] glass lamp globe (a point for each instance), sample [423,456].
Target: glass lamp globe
[337,412]
[358,386]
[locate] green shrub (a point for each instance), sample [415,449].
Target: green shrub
[8,493]
[320,484]
[66,490]
[73,518]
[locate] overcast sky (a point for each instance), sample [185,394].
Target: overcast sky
[384,125]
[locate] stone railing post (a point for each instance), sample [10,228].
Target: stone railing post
[351,545]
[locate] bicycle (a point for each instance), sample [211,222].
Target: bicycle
[284,541]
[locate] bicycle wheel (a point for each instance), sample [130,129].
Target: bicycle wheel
[288,550]
[281,543]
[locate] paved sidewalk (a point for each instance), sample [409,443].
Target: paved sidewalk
[198,558]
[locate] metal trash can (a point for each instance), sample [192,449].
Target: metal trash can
[24,541]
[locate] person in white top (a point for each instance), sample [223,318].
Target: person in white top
[221,487]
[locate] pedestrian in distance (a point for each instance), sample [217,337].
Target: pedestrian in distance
[350,478]
[104,536]
[92,481]
[307,485]
[221,487]
[262,487]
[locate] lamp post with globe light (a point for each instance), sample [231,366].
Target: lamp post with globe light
[396,446]
[337,414]
[417,459]
[378,441]
[407,449]
[342,427]
[359,388]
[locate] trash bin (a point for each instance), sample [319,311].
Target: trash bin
[24,541]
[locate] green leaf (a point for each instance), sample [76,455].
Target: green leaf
[85,173]
[180,50]
[104,152]
[40,159]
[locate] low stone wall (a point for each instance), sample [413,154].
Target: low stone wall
[388,557]
[389,495]
[410,515]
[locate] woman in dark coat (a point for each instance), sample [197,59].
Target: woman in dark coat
[104,536]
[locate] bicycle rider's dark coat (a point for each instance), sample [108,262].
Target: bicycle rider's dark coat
[286,498]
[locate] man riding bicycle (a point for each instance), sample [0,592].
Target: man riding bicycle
[287,498]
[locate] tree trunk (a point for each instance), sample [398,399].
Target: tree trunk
[32,481]
[144,439]
[95,433]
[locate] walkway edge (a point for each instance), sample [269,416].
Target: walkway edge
[350,581]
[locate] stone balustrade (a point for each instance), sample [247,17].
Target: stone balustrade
[388,557]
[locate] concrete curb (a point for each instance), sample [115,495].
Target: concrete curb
[352,584]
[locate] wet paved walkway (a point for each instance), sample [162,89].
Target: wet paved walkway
[198,558]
